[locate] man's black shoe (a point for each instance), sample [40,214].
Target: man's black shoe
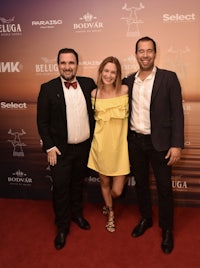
[81,222]
[141,227]
[60,240]
[167,241]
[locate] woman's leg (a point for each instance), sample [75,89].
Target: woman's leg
[118,185]
[106,192]
[105,182]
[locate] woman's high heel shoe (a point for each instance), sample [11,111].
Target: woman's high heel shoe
[105,210]
[110,225]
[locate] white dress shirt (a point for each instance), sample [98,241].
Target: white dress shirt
[141,99]
[77,116]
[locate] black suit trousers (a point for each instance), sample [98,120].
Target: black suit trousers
[142,154]
[68,178]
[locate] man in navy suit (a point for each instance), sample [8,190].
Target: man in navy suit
[156,136]
[65,123]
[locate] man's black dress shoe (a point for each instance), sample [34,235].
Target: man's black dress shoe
[60,239]
[167,242]
[81,222]
[141,227]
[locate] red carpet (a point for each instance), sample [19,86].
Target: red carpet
[27,233]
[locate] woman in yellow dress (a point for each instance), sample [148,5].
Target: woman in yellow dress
[109,149]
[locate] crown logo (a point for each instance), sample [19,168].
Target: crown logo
[87,17]
[19,173]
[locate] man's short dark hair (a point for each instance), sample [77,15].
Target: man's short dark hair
[67,50]
[145,38]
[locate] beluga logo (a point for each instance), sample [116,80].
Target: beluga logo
[8,27]
[46,66]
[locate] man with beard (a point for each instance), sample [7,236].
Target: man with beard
[65,123]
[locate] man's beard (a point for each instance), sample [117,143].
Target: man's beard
[68,79]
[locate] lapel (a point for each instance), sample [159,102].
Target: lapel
[82,83]
[156,85]
[60,95]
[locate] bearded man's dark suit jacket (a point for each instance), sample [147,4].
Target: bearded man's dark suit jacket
[52,127]
[167,130]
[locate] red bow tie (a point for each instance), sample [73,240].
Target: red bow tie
[73,84]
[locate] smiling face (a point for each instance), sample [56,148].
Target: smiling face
[109,74]
[145,55]
[67,66]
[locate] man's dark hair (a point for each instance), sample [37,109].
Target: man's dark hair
[145,38]
[67,50]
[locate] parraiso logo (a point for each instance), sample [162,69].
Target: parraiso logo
[47,24]
[8,27]
[88,24]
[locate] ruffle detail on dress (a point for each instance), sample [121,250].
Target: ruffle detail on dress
[119,112]
[112,108]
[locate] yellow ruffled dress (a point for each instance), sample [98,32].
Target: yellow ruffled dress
[109,148]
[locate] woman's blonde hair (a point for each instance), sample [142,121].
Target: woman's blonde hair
[117,83]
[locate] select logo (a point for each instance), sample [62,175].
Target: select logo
[177,18]
[13,105]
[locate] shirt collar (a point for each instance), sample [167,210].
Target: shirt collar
[150,75]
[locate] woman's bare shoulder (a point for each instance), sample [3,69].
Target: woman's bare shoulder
[93,93]
[124,89]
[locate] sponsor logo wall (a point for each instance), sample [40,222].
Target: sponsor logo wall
[32,32]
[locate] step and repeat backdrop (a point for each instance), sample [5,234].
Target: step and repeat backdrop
[32,32]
